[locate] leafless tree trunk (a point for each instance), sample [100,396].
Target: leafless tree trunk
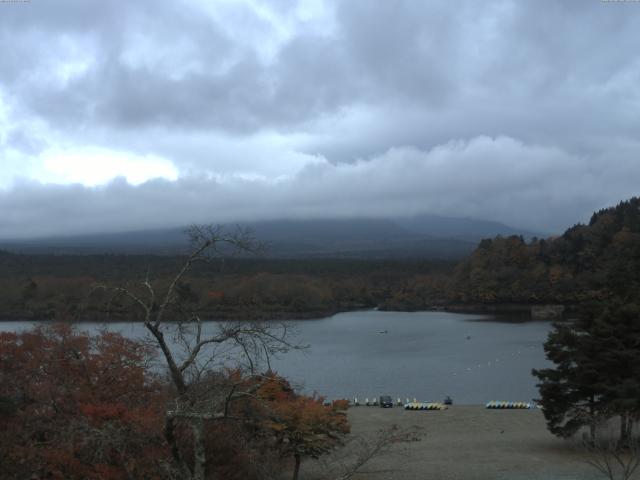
[252,341]
[626,426]
[296,467]
[199,454]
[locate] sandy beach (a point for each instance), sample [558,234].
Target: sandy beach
[469,442]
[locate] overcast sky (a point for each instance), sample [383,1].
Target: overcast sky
[119,115]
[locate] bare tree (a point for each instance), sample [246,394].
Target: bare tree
[611,457]
[191,351]
[352,460]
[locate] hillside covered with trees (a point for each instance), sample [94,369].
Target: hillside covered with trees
[587,262]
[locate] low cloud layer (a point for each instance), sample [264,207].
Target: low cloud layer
[501,179]
[522,112]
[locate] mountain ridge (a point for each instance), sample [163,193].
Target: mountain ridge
[426,236]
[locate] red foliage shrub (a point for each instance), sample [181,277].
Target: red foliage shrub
[78,407]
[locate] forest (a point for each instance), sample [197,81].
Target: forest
[61,287]
[587,262]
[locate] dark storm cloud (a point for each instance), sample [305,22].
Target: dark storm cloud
[201,79]
[542,95]
[474,57]
[558,73]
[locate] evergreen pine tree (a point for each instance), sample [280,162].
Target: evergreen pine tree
[597,370]
[569,394]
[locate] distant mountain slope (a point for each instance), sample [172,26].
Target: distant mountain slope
[423,236]
[469,229]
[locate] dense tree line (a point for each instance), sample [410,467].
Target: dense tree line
[62,287]
[597,261]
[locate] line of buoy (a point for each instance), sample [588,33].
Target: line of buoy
[480,365]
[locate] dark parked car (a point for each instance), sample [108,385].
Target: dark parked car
[386,402]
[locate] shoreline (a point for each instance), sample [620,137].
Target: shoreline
[516,313]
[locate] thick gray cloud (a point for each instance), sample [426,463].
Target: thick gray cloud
[501,178]
[524,112]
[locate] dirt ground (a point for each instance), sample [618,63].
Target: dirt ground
[467,442]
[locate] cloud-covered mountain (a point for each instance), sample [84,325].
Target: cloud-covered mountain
[424,236]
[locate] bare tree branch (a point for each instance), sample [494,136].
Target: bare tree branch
[611,458]
[198,402]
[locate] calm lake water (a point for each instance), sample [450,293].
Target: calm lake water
[426,355]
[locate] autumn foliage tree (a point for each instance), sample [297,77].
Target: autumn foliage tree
[74,406]
[303,426]
[594,262]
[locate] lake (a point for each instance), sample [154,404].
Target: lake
[426,355]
